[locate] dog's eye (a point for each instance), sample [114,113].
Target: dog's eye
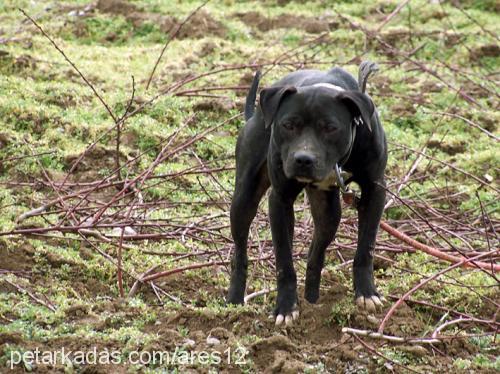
[288,125]
[330,127]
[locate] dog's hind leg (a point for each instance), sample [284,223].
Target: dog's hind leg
[326,212]
[370,209]
[250,187]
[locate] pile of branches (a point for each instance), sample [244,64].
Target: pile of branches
[122,217]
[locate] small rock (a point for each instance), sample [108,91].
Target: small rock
[212,341]
[127,230]
[416,350]
[189,343]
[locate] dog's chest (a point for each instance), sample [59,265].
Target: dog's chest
[331,181]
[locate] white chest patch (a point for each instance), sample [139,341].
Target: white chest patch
[329,85]
[331,181]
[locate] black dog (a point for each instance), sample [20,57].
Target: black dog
[308,126]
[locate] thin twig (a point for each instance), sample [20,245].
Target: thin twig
[71,63]
[172,36]
[31,295]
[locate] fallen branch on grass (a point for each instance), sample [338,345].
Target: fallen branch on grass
[166,273]
[253,295]
[390,338]
[461,261]
[31,295]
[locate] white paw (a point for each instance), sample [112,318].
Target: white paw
[370,304]
[288,319]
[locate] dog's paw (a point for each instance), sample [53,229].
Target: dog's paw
[287,317]
[311,295]
[287,305]
[236,298]
[370,303]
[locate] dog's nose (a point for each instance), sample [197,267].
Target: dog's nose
[304,159]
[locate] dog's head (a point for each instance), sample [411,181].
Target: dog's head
[312,126]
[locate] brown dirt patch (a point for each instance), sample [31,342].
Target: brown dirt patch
[404,322]
[476,90]
[116,7]
[311,25]
[200,25]
[16,259]
[207,48]
[88,168]
[404,108]
[279,350]
[278,354]
[449,148]
[10,338]
[92,288]
[488,50]
[488,123]
[4,140]
[17,63]
[214,105]
[57,261]
[380,84]
[430,86]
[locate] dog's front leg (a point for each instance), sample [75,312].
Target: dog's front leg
[370,209]
[282,222]
[326,212]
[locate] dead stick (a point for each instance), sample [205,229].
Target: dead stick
[71,63]
[391,16]
[390,338]
[36,299]
[466,120]
[166,273]
[253,295]
[182,269]
[406,177]
[136,284]
[437,253]
[119,125]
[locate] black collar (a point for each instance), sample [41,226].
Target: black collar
[338,166]
[355,122]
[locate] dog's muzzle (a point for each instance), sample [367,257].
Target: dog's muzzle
[304,164]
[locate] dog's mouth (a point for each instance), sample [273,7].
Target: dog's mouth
[311,174]
[306,176]
[304,180]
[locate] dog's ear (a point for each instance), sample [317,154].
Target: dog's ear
[270,99]
[359,104]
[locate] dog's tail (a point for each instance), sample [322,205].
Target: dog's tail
[251,96]
[365,70]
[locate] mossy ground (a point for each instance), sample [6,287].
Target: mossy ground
[45,108]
